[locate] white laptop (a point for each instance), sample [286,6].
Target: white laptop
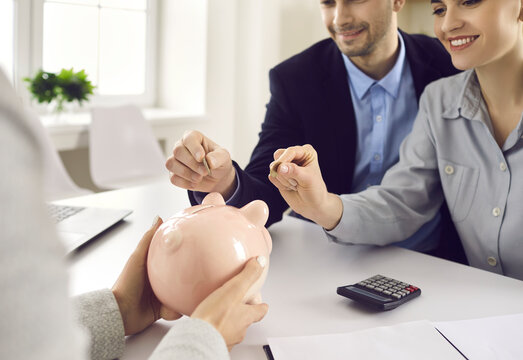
[78,225]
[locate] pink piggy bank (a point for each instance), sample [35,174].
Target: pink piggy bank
[197,250]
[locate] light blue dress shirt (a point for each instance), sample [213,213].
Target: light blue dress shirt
[385,110]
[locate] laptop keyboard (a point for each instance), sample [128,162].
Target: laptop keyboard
[62,212]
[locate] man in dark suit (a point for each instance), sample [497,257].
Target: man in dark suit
[352,97]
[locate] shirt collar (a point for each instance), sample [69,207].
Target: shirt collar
[469,105]
[468,102]
[361,82]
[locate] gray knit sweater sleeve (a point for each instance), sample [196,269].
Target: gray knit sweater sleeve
[187,339]
[98,313]
[191,339]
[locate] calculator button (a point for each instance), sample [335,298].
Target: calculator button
[397,296]
[370,286]
[387,292]
[378,289]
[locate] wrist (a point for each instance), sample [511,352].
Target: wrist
[123,311]
[329,213]
[227,186]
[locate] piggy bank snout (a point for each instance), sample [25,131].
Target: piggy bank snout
[168,238]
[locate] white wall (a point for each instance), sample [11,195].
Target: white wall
[245,38]
[269,31]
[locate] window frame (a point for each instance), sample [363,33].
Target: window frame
[29,49]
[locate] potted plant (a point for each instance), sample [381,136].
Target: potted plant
[66,86]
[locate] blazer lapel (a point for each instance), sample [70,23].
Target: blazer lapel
[341,119]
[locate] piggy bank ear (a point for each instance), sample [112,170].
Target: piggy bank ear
[256,211]
[213,198]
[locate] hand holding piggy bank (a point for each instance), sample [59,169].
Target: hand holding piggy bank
[197,250]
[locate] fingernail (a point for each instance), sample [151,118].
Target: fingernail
[262,260]
[284,169]
[293,182]
[155,221]
[198,156]
[210,160]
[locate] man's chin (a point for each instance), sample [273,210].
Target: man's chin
[353,51]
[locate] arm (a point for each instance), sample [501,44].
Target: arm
[225,311]
[280,129]
[36,312]
[409,195]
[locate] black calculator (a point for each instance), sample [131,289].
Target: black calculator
[380,292]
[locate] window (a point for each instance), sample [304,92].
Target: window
[7,37]
[83,34]
[114,41]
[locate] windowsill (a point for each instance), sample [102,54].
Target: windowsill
[71,131]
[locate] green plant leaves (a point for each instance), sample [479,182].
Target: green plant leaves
[43,86]
[66,86]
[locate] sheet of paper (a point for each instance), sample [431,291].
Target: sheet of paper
[408,341]
[490,338]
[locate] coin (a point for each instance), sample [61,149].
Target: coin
[207,166]
[274,168]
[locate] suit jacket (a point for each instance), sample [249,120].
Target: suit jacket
[311,104]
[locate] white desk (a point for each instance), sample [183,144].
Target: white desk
[304,272]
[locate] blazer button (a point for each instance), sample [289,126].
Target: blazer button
[449,170]
[492,261]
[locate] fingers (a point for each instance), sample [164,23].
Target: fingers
[168,314]
[218,158]
[283,179]
[194,159]
[238,286]
[184,165]
[288,169]
[199,146]
[143,246]
[193,142]
[182,176]
[257,312]
[301,155]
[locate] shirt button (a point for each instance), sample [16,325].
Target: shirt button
[492,261]
[377,157]
[379,118]
[496,211]
[503,166]
[449,170]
